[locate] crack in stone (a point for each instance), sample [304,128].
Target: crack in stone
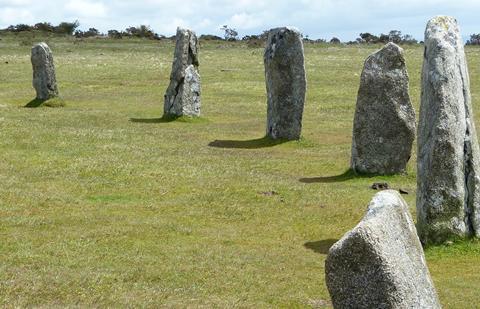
[467,159]
[467,172]
[180,98]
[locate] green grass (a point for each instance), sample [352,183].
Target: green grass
[105,203]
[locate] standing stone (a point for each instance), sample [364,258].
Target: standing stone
[44,80]
[183,93]
[286,83]
[380,263]
[448,183]
[384,123]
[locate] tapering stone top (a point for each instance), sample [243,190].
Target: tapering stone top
[380,263]
[186,53]
[444,29]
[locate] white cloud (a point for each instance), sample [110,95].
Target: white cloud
[168,26]
[13,16]
[83,8]
[204,23]
[11,3]
[244,21]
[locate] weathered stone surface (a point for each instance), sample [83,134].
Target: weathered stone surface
[44,80]
[380,263]
[183,94]
[384,123]
[448,183]
[286,83]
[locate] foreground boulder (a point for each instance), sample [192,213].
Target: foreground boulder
[44,80]
[380,263]
[286,83]
[448,201]
[183,94]
[384,124]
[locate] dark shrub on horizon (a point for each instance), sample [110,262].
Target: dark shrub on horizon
[45,27]
[142,31]
[87,34]
[114,34]
[474,39]
[66,27]
[210,37]
[394,36]
[19,28]
[335,40]
[62,28]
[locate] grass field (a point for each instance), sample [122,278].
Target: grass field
[102,203]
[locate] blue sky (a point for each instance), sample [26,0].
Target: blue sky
[316,18]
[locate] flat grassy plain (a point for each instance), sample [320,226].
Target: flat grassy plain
[103,203]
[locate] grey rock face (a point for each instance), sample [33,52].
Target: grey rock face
[448,183]
[183,93]
[286,83]
[44,80]
[380,263]
[384,123]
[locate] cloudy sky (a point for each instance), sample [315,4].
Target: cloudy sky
[316,18]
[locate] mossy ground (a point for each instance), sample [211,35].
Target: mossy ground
[104,203]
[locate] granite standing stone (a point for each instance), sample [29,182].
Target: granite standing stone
[44,80]
[448,201]
[183,94]
[384,123]
[286,83]
[380,263]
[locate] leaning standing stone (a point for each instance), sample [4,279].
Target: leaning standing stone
[448,184]
[183,93]
[384,123]
[44,80]
[286,83]
[380,263]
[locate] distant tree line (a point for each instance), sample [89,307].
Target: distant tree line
[71,28]
[229,34]
[394,36]
[474,39]
[141,31]
[62,28]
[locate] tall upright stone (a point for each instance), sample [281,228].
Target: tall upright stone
[384,123]
[44,80]
[448,183]
[183,93]
[380,263]
[286,83]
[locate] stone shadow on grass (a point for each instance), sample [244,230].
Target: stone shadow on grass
[347,175]
[53,102]
[153,120]
[263,142]
[166,119]
[321,246]
[34,103]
